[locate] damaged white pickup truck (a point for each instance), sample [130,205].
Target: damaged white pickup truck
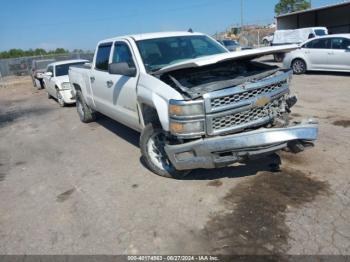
[196,104]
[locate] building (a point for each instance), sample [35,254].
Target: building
[335,17]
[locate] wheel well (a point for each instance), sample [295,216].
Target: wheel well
[149,114]
[76,86]
[298,58]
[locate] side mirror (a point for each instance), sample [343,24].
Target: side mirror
[48,74]
[121,69]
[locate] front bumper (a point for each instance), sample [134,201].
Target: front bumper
[67,96]
[224,150]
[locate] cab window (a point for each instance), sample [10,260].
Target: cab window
[102,56]
[323,43]
[122,54]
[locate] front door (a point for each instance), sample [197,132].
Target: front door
[123,88]
[318,51]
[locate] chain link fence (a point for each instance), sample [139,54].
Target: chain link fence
[13,67]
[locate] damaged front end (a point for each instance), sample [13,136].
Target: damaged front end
[242,111]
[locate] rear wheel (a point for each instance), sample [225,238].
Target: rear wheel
[298,66]
[152,143]
[85,113]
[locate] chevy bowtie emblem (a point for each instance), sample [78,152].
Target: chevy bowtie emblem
[262,101]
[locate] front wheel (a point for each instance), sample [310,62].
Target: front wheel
[152,143]
[298,66]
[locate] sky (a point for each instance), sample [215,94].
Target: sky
[80,24]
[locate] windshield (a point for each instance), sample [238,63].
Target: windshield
[161,52]
[320,32]
[62,70]
[43,64]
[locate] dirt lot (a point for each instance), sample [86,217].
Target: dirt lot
[73,188]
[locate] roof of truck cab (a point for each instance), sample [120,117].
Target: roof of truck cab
[63,62]
[146,36]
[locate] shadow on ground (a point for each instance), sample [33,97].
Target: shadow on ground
[268,163]
[124,132]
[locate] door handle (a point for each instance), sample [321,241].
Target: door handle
[109,83]
[92,79]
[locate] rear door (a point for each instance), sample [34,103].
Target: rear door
[318,51]
[98,78]
[340,55]
[115,95]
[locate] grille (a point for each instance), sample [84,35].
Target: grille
[234,98]
[244,119]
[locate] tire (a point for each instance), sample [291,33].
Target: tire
[299,66]
[85,113]
[152,144]
[60,98]
[34,82]
[42,86]
[278,57]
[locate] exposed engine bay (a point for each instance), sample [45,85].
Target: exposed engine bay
[194,82]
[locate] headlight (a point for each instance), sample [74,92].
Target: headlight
[186,109]
[65,86]
[195,127]
[186,118]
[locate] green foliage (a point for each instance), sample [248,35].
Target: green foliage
[15,53]
[288,6]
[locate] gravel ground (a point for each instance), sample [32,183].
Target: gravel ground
[73,188]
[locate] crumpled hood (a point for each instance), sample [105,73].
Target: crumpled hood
[207,60]
[62,79]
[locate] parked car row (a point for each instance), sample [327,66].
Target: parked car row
[196,104]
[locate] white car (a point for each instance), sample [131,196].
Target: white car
[56,81]
[326,53]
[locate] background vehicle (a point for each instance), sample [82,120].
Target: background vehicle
[38,69]
[56,81]
[327,53]
[196,104]
[231,45]
[267,40]
[295,36]
[19,68]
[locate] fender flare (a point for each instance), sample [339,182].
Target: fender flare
[150,105]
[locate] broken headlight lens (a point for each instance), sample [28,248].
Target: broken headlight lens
[179,108]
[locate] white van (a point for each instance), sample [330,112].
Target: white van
[296,36]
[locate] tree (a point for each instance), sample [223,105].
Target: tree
[60,51]
[288,6]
